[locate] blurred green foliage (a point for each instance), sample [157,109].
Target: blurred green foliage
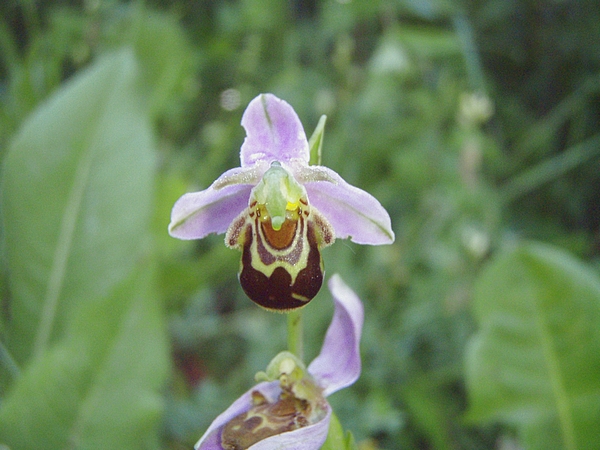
[475,123]
[545,382]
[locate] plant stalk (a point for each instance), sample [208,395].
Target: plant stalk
[295,333]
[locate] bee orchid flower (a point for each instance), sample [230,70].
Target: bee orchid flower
[292,412]
[279,210]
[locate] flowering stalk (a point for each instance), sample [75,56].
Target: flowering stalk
[295,332]
[294,319]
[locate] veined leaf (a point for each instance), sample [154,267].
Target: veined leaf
[98,387]
[76,199]
[535,362]
[77,192]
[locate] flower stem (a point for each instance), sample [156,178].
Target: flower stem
[294,318]
[294,339]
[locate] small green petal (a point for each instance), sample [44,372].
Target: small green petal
[315,143]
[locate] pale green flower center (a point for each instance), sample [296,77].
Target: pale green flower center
[279,192]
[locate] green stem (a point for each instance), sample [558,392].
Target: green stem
[295,334]
[294,318]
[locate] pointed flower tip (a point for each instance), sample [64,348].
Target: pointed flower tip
[390,236]
[347,298]
[338,365]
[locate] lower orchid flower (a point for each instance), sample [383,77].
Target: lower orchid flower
[291,411]
[279,210]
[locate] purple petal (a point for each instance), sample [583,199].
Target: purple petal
[273,132]
[212,437]
[351,211]
[310,437]
[212,210]
[210,442]
[338,364]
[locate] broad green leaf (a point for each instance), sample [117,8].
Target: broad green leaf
[535,361]
[98,387]
[76,199]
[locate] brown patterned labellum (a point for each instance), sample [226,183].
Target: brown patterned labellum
[300,403]
[265,419]
[281,269]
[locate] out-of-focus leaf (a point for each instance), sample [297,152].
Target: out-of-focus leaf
[428,42]
[535,363]
[162,50]
[429,410]
[429,9]
[76,199]
[98,387]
